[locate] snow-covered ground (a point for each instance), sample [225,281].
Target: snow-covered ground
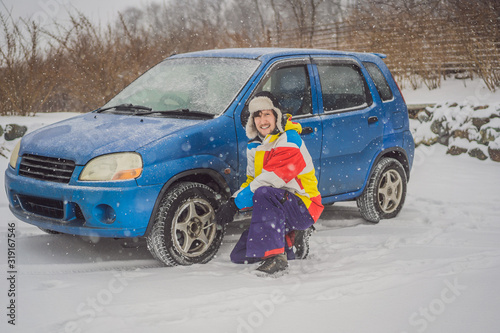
[433,268]
[458,91]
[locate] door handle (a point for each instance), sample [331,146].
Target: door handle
[372,119]
[307,130]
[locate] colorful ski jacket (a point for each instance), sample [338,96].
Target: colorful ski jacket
[283,161]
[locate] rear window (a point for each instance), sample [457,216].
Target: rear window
[343,87]
[378,78]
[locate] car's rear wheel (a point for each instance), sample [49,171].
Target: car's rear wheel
[184,230]
[385,192]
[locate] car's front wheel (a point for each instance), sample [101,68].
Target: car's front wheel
[184,230]
[385,192]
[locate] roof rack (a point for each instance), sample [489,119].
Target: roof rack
[381,55]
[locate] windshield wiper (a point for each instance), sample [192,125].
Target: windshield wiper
[126,107]
[181,113]
[144,111]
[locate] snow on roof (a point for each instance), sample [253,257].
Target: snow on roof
[271,52]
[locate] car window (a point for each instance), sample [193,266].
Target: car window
[378,78]
[291,86]
[343,87]
[201,84]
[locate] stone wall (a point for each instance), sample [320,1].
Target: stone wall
[464,129]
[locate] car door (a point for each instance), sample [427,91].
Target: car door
[352,125]
[290,81]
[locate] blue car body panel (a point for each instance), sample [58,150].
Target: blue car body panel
[90,135]
[345,147]
[131,204]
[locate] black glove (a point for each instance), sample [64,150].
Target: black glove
[225,213]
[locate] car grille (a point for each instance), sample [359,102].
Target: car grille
[47,168]
[43,207]
[78,213]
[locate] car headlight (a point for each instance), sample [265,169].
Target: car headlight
[119,166]
[15,155]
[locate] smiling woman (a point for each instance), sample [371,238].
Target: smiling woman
[265,122]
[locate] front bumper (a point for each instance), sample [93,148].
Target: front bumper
[101,209]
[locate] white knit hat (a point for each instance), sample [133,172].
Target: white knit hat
[260,103]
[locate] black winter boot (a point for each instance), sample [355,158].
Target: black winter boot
[275,266]
[301,242]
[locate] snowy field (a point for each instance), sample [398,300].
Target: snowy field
[433,268]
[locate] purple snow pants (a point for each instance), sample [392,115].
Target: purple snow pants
[276,212]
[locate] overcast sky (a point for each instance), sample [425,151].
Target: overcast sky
[45,11]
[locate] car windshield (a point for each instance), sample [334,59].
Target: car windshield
[205,85]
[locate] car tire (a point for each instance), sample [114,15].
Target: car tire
[385,192]
[184,230]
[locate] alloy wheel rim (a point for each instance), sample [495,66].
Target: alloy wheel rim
[193,227]
[390,191]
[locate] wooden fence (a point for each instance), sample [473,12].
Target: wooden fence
[427,50]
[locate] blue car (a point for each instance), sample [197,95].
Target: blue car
[158,158]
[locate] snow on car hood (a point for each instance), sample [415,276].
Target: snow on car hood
[84,137]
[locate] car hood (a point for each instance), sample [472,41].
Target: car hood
[84,137]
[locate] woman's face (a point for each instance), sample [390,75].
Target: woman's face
[265,122]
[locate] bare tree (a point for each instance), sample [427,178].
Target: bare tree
[26,77]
